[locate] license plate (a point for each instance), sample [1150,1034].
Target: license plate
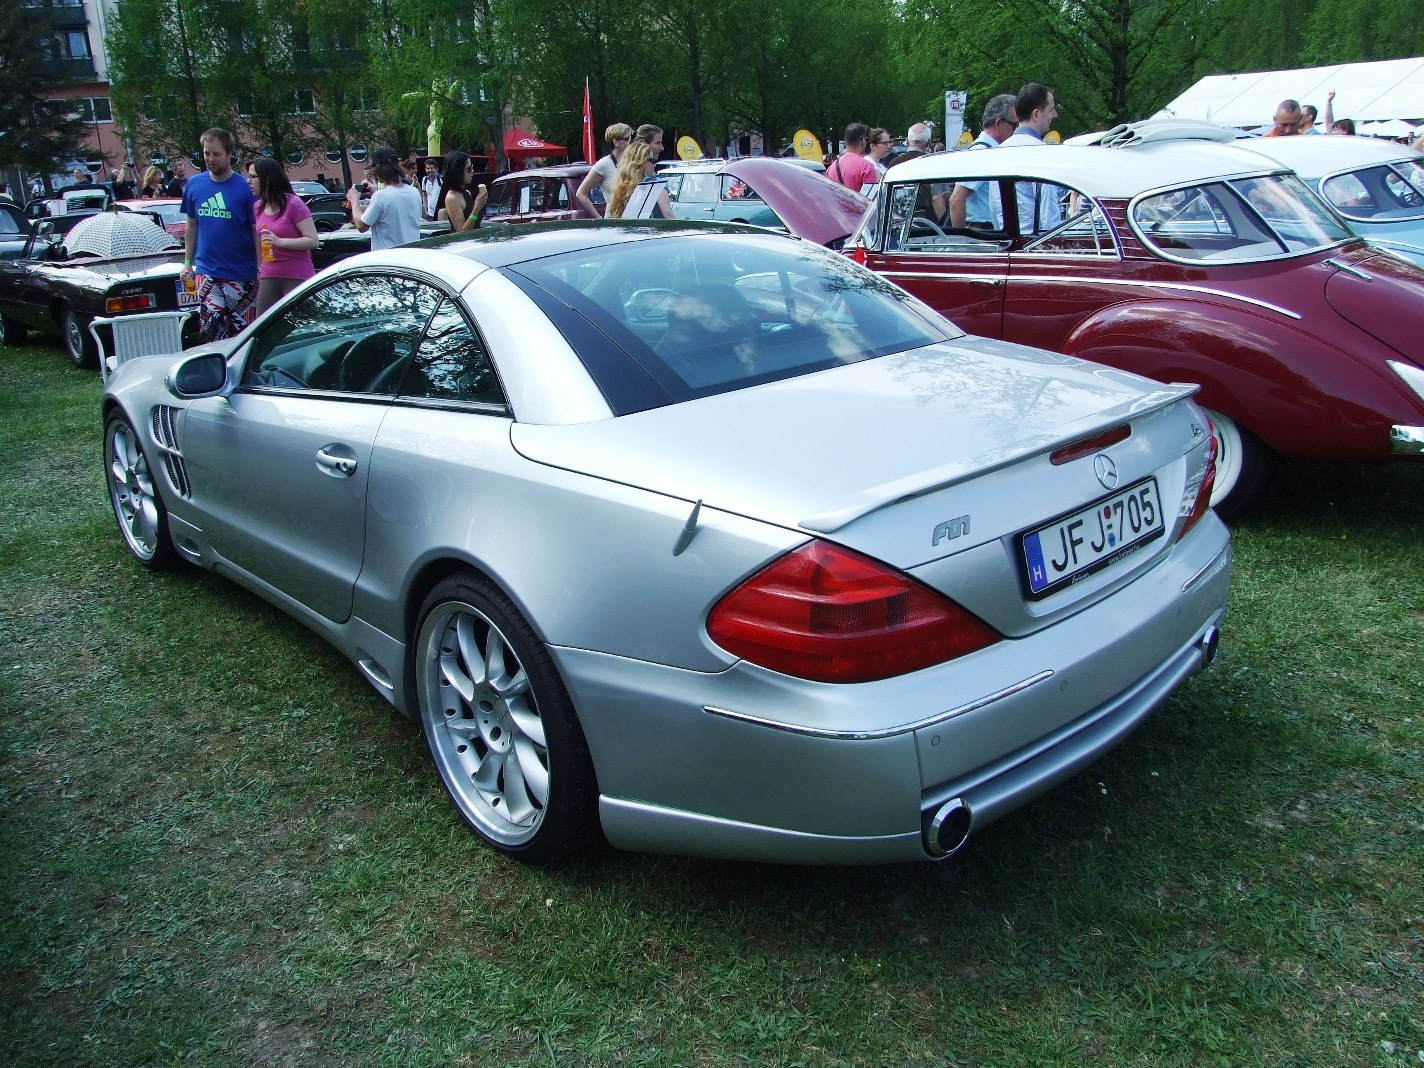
[1074,546]
[186,299]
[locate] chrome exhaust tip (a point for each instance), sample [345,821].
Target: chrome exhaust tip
[948,828]
[1208,645]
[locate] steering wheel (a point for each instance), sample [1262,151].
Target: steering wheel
[922,224]
[367,361]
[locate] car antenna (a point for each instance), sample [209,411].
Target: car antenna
[689,530]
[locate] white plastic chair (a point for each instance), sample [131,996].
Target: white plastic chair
[141,334]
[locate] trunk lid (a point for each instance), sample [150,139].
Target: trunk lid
[910,458]
[810,205]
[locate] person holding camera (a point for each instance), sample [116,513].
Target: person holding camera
[393,214]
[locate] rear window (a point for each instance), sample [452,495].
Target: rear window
[708,314]
[1237,221]
[1391,192]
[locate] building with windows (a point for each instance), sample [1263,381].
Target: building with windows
[77,57]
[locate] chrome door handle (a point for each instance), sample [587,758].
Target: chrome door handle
[991,283]
[342,465]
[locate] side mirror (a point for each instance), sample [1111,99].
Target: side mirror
[204,374]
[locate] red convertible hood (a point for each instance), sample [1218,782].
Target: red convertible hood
[811,205]
[1389,305]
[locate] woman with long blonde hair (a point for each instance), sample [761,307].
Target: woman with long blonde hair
[638,192]
[152,184]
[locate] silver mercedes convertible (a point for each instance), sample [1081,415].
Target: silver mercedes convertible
[689,538]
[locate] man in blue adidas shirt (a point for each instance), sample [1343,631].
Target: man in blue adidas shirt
[219,241]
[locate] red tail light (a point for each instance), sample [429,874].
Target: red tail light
[828,614]
[1202,501]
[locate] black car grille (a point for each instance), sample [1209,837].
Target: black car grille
[165,434]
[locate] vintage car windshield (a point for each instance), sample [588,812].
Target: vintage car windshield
[701,317]
[1391,192]
[1237,221]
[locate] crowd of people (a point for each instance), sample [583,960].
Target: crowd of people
[249,241]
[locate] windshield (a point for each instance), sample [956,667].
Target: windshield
[1237,221]
[1391,192]
[711,314]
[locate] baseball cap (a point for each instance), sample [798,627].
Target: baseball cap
[384,154]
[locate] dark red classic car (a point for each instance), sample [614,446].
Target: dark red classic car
[1182,260]
[539,194]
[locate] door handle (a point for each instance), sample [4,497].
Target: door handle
[989,283]
[342,465]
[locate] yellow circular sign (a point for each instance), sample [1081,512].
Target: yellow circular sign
[966,138]
[806,146]
[687,148]
[1053,137]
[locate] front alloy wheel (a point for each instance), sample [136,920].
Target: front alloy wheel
[500,726]
[142,518]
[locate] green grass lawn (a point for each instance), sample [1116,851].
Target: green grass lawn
[220,847]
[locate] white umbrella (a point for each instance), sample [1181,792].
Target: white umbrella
[117,233]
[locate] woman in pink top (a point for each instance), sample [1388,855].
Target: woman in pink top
[285,233]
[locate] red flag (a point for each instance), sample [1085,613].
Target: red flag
[590,146]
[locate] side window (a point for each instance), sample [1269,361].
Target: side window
[498,203]
[1041,206]
[1084,231]
[734,189]
[559,201]
[451,363]
[354,336]
[921,217]
[699,189]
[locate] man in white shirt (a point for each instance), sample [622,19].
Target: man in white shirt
[1039,209]
[430,188]
[393,215]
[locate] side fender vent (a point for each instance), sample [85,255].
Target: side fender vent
[165,435]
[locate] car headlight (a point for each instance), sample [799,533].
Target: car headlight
[1413,376]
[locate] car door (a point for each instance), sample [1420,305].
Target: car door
[959,272]
[1063,274]
[280,467]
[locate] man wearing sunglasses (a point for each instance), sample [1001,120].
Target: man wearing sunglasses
[976,204]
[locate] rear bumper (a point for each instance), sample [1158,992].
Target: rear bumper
[746,764]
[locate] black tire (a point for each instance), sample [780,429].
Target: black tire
[505,739]
[135,498]
[78,343]
[1243,463]
[14,331]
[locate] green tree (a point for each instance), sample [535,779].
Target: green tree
[37,133]
[166,72]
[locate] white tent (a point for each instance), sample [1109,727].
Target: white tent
[1389,89]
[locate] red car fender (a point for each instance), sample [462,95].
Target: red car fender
[1300,396]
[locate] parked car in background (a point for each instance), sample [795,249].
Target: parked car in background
[167,211]
[329,211]
[14,231]
[307,189]
[1377,185]
[771,192]
[346,241]
[1185,261]
[540,194]
[45,292]
[863,584]
[702,190]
